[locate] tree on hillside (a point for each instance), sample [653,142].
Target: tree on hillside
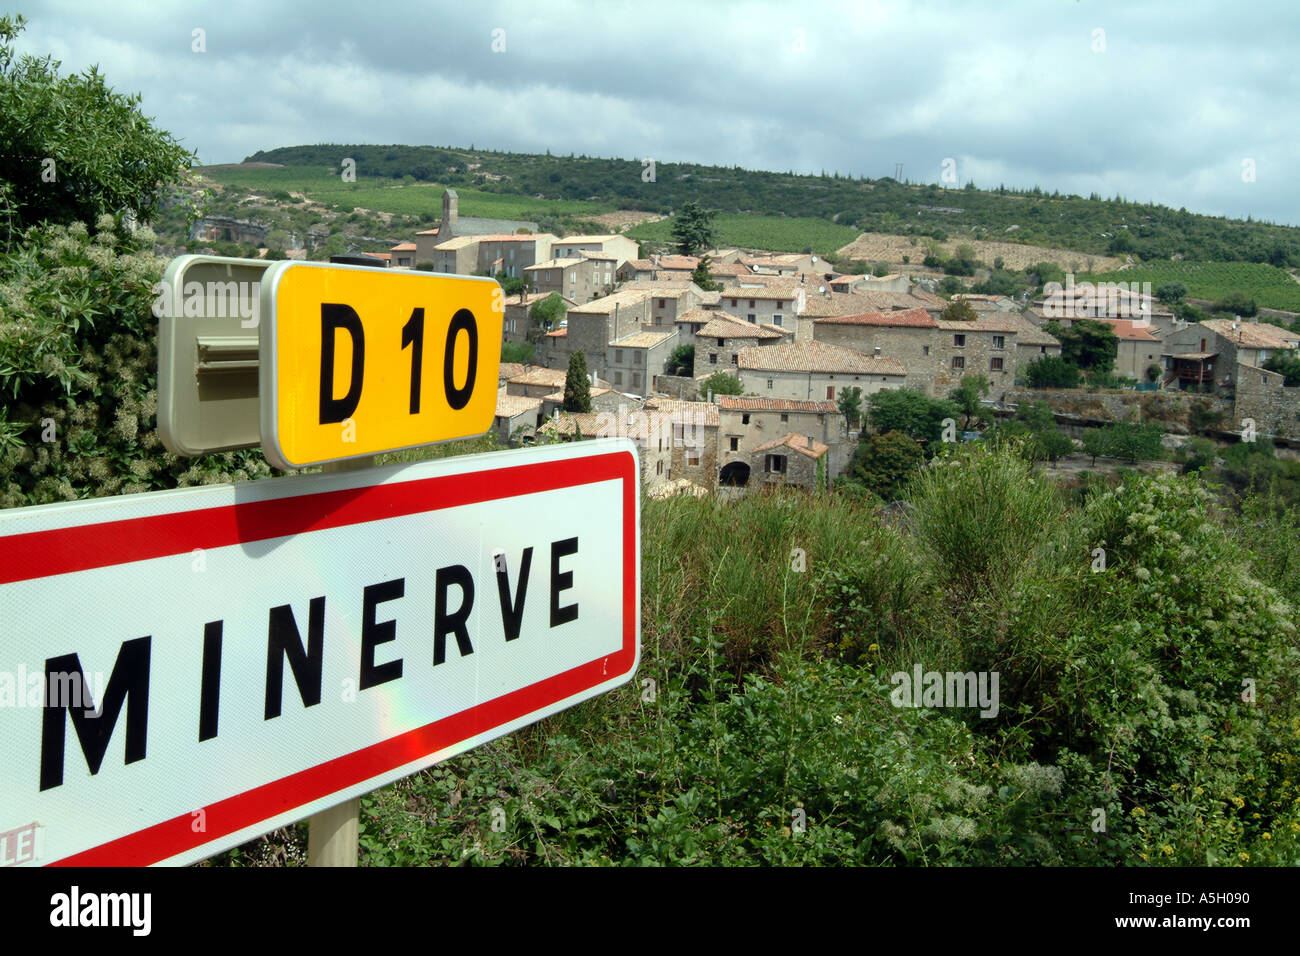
[546,313]
[967,395]
[693,228]
[1287,365]
[1088,345]
[958,310]
[681,361]
[1236,303]
[722,383]
[700,276]
[1171,292]
[911,412]
[882,463]
[72,149]
[850,405]
[577,387]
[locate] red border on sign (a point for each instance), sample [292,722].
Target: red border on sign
[66,550]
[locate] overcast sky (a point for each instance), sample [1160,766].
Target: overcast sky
[1187,103]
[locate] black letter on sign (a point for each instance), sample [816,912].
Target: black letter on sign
[94,730]
[334,316]
[444,623]
[372,634]
[512,612]
[413,334]
[210,686]
[458,398]
[562,582]
[283,640]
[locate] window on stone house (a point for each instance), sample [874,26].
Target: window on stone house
[661,303]
[744,419]
[618,356]
[995,364]
[751,303]
[999,341]
[618,378]
[769,384]
[713,358]
[774,464]
[958,361]
[659,468]
[776,320]
[735,444]
[925,350]
[750,316]
[959,341]
[734,359]
[1042,350]
[785,417]
[636,379]
[692,457]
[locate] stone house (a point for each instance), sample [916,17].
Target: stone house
[669,298]
[579,279]
[718,343]
[594,325]
[457,256]
[1208,353]
[402,256]
[776,304]
[986,347]
[1261,396]
[515,413]
[791,459]
[632,361]
[510,255]
[814,371]
[552,349]
[910,337]
[620,247]
[746,423]
[1138,348]
[689,440]
[517,322]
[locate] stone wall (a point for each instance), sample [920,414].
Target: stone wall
[1261,396]
[1170,408]
[677,386]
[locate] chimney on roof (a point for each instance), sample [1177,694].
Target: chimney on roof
[810,441]
[877,351]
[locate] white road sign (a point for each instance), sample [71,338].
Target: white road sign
[181,671]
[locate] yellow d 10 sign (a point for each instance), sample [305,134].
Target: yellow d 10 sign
[359,361]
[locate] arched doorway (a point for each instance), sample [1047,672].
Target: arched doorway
[735,474]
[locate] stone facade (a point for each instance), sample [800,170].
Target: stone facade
[790,460]
[1261,397]
[747,423]
[631,362]
[593,326]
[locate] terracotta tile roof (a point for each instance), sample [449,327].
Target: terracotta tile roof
[1253,335]
[710,298]
[642,340]
[553,264]
[603,306]
[640,265]
[427,232]
[663,288]
[817,306]
[565,423]
[1129,330]
[585,240]
[515,237]
[559,396]
[727,269]
[699,413]
[797,442]
[381,255]
[404,247]
[815,356]
[985,323]
[459,242]
[1030,334]
[750,404]
[678,262]
[743,293]
[697,316]
[508,406]
[728,328]
[541,376]
[601,256]
[911,318]
[509,370]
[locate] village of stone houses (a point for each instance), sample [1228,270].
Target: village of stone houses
[809,347]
